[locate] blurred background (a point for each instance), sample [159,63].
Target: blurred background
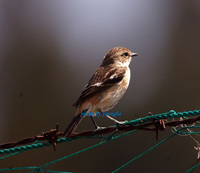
[50,49]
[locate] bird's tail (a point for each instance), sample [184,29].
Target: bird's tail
[73,125]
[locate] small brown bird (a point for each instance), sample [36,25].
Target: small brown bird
[105,88]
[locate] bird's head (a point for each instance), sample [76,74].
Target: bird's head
[118,56]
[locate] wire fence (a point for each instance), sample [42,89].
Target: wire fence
[181,123]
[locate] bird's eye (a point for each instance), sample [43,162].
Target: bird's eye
[126,54]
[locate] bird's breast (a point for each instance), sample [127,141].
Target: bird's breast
[110,97]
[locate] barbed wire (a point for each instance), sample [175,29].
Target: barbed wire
[151,122]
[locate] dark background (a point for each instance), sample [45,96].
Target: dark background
[50,49]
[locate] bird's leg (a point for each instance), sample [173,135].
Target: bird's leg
[118,123]
[95,124]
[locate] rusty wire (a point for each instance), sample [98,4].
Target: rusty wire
[52,135]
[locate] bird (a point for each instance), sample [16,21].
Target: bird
[105,88]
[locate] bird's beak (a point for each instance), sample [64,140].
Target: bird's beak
[134,54]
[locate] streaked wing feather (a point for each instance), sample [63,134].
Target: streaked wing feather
[106,77]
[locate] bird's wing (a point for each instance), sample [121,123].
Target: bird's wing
[103,78]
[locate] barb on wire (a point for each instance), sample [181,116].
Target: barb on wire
[153,123]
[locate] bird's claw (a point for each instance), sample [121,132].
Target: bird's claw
[99,128]
[120,123]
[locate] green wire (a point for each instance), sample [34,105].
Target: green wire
[169,115]
[83,150]
[142,154]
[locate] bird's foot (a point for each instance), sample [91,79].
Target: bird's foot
[121,122]
[118,123]
[98,128]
